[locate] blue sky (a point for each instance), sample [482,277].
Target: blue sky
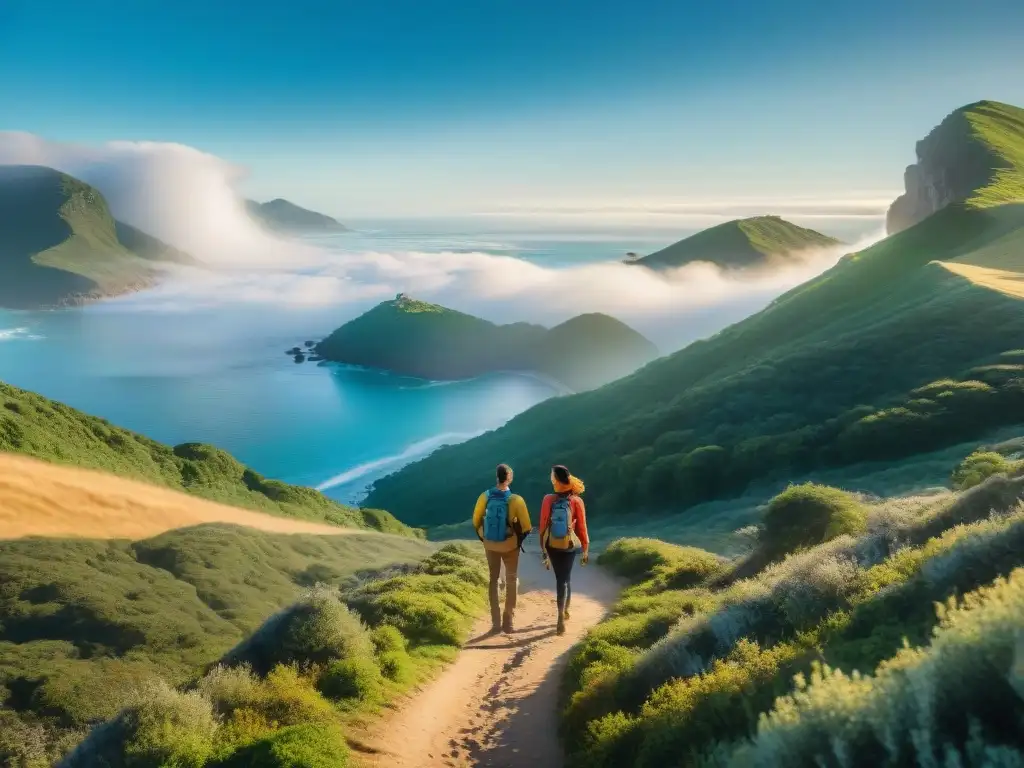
[403,107]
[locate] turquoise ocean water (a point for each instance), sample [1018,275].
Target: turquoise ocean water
[220,375]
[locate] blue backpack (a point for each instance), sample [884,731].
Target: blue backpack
[496,515]
[560,527]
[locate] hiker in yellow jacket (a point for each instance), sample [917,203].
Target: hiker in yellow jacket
[502,522]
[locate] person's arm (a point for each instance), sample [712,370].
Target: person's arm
[581,527]
[522,515]
[478,515]
[545,521]
[520,519]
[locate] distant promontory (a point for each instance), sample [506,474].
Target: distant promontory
[283,216]
[60,245]
[739,244]
[416,338]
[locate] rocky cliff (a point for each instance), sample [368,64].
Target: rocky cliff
[964,159]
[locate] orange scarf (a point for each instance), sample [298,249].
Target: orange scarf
[575,485]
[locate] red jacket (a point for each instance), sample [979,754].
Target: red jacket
[579,518]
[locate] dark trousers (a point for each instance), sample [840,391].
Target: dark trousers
[561,564]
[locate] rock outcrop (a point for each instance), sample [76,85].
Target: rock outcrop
[954,161]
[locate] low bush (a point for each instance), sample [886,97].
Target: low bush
[354,679]
[663,565]
[397,667]
[980,466]
[161,728]
[436,604]
[806,515]
[318,629]
[298,746]
[387,639]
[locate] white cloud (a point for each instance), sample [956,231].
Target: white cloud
[188,198]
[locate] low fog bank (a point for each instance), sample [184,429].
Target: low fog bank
[188,198]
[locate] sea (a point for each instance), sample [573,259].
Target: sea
[217,371]
[220,374]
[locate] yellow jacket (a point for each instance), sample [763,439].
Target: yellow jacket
[517,513]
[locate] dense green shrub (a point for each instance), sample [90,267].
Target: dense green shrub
[357,678]
[161,728]
[809,514]
[668,566]
[387,639]
[979,466]
[396,666]
[25,744]
[435,604]
[318,629]
[298,746]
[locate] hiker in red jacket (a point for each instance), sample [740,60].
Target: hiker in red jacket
[563,533]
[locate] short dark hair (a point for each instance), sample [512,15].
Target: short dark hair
[502,472]
[561,473]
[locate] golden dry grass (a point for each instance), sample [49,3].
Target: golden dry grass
[1006,281]
[41,499]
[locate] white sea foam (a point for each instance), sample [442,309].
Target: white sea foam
[18,334]
[415,451]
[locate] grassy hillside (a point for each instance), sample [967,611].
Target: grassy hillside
[61,245]
[429,341]
[900,349]
[35,426]
[85,625]
[886,355]
[706,663]
[285,216]
[739,244]
[975,157]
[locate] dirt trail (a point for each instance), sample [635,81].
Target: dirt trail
[42,499]
[497,704]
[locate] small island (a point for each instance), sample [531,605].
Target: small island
[760,241]
[416,338]
[283,216]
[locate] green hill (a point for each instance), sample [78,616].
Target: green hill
[892,352]
[61,246]
[416,338]
[975,156]
[35,426]
[739,244]
[284,216]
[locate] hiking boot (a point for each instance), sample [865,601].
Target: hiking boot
[560,629]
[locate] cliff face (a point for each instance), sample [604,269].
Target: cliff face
[954,161]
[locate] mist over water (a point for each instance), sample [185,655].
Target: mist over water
[188,198]
[201,356]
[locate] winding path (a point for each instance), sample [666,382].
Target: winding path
[497,704]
